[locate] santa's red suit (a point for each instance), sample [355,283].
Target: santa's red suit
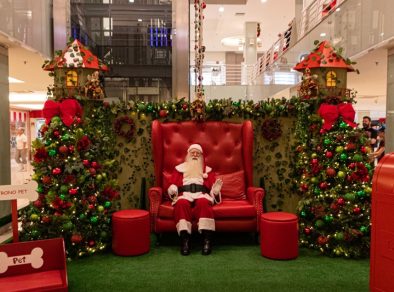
[194,199]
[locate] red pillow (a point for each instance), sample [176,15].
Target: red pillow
[233,185]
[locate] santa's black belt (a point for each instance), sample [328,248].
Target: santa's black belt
[193,188]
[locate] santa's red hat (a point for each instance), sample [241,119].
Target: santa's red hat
[199,148]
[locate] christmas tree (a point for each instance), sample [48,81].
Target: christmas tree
[333,167]
[74,162]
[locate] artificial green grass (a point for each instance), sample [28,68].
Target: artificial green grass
[234,265]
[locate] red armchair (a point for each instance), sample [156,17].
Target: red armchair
[228,149]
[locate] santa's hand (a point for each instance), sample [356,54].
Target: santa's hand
[217,186]
[173,191]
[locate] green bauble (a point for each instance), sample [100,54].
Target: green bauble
[338,236]
[236,103]
[149,108]
[350,196]
[328,218]
[64,189]
[342,125]
[39,189]
[141,107]
[326,141]
[52,152]
[368,166]
[303,214]
[363,229]
[65,137]
[343,156]
[103,234]
[35,233]
[56,119]
[107,204]
[82,216]
[68,225]
[361,194]
[62,196]
[316,191]
[357,157]
[94,219]
[319,223]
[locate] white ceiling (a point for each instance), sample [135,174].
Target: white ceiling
[273,16]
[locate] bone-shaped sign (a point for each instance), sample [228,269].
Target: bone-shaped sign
[25,191]
[35,259]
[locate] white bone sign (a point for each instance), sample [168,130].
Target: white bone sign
[25,191]
[35,259]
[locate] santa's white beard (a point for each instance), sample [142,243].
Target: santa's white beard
[193,167]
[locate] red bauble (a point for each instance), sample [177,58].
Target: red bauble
[46,179]
[331,172]
[162,113]
[203,5]
[184,106]
[63,149]
[56,171]
[304,187]
[307,230]
[356,210]
[78,120]
[352,165]
[73,191]
[92,199]
[86,163]
[92,171]
[71,148]
[76,238]
[341,201]
[37,204]
[329,154]
[350,146]
[91,243]
[323,185]
[56,133]
[322,240]
[91,207]
[315,161]
[363,149]
[46,219]
[95,164]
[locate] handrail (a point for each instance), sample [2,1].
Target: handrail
[312,15]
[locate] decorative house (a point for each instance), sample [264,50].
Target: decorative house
[328,67]
[76,72]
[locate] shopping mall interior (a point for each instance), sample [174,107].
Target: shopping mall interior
[160,51]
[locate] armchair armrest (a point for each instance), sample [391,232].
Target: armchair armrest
[155,195]
[255,196]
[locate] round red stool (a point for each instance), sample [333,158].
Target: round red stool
[130,232]
[279,235]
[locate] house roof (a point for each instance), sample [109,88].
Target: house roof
[323,55]
[76,55]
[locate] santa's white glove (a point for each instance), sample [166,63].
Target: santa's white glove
[215,191]
[173,192]
[217,186]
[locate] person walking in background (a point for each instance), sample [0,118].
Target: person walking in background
[371,132]
[379,153]
[21,149]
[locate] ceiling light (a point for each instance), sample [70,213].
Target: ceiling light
[323,34]
[221,9]
[14,80]
[234,41]
[131,1]
[240,48]
[263,1]
[139,20]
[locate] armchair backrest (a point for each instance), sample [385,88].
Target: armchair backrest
[228,147]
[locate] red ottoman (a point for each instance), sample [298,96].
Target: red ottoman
[279,235]
[130,232]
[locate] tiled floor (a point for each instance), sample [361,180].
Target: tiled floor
[17,178]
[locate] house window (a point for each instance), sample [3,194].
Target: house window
[72,78]
[331,79]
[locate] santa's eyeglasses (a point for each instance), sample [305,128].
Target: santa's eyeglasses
[195,153]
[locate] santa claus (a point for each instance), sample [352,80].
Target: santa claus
[193,191]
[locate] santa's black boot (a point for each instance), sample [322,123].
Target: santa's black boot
[206,242]
[185,243]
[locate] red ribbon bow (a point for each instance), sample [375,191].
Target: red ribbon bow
[331,112]
[67,109]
